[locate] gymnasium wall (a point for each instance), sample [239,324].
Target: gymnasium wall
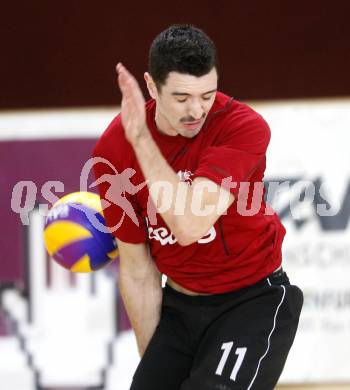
[64,53]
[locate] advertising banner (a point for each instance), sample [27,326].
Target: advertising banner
[308,183]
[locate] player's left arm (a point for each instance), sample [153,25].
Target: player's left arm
[190,211]
[197,206]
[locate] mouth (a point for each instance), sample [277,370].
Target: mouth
[192,125]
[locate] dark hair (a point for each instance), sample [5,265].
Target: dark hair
[181,48]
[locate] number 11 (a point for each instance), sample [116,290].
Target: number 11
[240,352]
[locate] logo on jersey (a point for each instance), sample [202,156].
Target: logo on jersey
[185,176]
[166,237]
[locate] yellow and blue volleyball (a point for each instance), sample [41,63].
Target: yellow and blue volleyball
[76,235]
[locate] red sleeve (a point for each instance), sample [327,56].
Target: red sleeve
[122,226]
[237,155]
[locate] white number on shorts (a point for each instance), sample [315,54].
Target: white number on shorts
[240,352]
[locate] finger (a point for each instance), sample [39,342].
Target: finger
[118,66]
[126,78]
[129,86]
[122,69]
[122,80]
[123,74]
[132,95]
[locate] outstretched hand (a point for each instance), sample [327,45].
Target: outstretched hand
[133,105]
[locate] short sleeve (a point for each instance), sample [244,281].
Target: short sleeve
[237,155]
[122,215]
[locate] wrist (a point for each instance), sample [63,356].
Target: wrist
[142,139]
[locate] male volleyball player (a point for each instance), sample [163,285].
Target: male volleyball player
[228,315]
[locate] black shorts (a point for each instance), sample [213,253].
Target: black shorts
[232,341]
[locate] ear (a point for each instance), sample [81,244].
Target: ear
[151,86]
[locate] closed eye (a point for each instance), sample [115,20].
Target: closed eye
[203,98]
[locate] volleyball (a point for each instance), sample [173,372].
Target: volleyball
[75,233]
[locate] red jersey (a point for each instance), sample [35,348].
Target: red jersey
[239,249]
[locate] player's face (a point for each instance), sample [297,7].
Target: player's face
[184,101]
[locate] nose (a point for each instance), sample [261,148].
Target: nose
[196,110]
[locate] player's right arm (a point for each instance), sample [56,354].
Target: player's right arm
[139,279]
[141,290]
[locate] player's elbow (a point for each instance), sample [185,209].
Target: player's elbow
[185,240]
[189,233]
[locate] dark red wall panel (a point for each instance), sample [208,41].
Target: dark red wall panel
[63,53]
